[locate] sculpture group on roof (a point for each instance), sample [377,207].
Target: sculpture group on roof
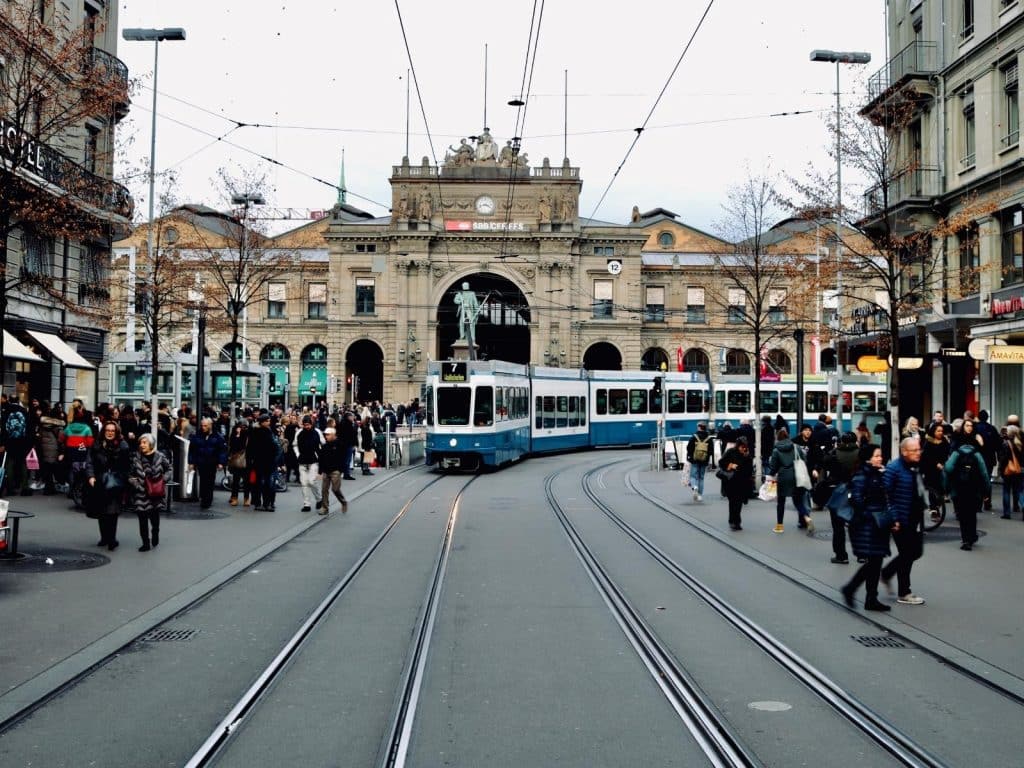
[486,152]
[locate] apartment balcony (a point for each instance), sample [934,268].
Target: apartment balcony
[110,73]
[910,191]
[35,165]
[904,80]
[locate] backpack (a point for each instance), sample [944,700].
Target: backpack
[966,475]
[15,425]
[700,450]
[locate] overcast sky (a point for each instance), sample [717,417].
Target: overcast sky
[327,75]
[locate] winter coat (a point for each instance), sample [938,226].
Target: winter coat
[207,450]
[904,490]
[154,465]
[104,458]
[332,456]
[990,442]
[868,497]
[934,454]
[348,433]
[969,453]
[1005,451]
[767,438]
[739,485]
[366,437]
[78,440]
[49,439]
[262,449]
[781,466]
[307,444]
[841,464]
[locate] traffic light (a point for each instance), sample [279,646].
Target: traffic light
[658,383]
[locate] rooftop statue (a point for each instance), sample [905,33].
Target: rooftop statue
[485,146]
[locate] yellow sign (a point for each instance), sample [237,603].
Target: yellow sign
[872,364]
[1004,354]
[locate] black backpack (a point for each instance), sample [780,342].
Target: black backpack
[967,478]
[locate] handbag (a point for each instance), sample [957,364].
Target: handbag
[369,456]
[839,502]
[769,491]
[32,460]
[725,474]
[112,482]
[156,487]
[803,477]
[237,460]
[1012,465]
[822,492]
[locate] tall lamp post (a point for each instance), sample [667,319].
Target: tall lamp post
[837,58]
[245,200]
[155,36]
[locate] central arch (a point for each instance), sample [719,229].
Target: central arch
[503,325]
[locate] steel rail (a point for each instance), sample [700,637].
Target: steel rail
[694,708]
[873,725]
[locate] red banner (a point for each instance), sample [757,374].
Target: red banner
[679,359]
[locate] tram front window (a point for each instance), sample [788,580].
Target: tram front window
[483,408]
[453,406]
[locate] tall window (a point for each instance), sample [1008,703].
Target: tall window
[776,306]
[829,307]
[91,288]
[277,302]
[970,258]
[967,128]
[92,148]
[737,362]
[967,19]
[1011,106]
[654,310]
[317,301]
[695,312]
[603,298]
[737,305]
[37,255]
[365,296]
[779,361]
[1013,247]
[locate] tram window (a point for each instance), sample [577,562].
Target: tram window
[883,402]
[676,401]
[788,401]
[549,412]
[429,397]
[833,399]
[656,401]
[618,402]
[816,402]
[769,402]
[499,403]
[602,402]
[453,406]
[574,411]
[562,414]
[720,400]
[538,412]
[638,401]
[863,402]
[696,401]
[739,401]
[483,408]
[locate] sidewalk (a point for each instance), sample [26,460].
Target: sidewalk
[973,604]
[60,618]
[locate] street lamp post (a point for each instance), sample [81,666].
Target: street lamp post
[155,36]
[245,200]
[837,58]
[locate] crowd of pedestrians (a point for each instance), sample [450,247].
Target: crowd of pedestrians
[109,463]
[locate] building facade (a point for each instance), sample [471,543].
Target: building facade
[62,93]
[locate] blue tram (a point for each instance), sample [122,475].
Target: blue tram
[491,413]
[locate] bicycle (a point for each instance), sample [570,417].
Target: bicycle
[280,484]
[935,516]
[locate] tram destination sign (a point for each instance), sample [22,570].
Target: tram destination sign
[455,372]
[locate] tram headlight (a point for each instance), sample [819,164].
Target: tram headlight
[453,442]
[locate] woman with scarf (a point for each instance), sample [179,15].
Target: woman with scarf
[106,472]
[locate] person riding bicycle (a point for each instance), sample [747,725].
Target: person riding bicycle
[935,450]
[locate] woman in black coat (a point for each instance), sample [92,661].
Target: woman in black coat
[106,472]
[869,527]
[238,440]
[935,449]
[737,488]
[366,442]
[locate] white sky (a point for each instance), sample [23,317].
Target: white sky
[330,74]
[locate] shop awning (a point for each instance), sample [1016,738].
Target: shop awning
[15,350]
[55,346]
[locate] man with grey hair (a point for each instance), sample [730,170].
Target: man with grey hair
[907,497]
[207,452]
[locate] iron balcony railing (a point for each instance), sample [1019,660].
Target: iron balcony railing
[919,182]
[108,66]
[26,153]
[920,58]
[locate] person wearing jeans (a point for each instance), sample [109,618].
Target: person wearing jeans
[699,444]
[1011,462]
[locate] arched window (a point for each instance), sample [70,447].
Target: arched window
[827,359]
[313,376]
[737,362]
[230,350]
[653,360]
[275,358]
[779,361]
[696,360]
[666,240]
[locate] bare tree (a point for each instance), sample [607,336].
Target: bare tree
[53,79]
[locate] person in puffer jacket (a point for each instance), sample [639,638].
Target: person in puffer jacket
[869,527]
[50,439]
[78,441]
[907,497]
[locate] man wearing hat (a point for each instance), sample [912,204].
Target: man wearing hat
[332,463]
[306,446]
[261,458]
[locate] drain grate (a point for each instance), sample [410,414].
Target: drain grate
[165,635]
[878,641]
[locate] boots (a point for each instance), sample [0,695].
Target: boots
[233,501]
[366,469]
[245,500]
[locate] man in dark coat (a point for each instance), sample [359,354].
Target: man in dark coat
[261,459]
[349,431]
[990,441]
[737,487]
[207,452]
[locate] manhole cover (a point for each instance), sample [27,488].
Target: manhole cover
[878,641]
[42,559]
[168,635]
[193,512]
[948,531]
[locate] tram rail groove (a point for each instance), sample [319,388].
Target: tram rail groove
[978,677]
[871,724]
[70,681]
[699,715]
[222,734]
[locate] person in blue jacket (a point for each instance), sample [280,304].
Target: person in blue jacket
[869,527]
[905,490]
[207,452]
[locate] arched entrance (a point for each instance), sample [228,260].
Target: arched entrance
[503,325]
[275,358]
[313,375]
[602,357]
[365,361]
[654,359]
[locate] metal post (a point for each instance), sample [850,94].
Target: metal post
[798,335]
[839,258]
[154,400]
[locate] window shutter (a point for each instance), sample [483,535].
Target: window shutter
[737,298]
[695,297]
[277,291]
[603,290]
[318,293]
[656,295]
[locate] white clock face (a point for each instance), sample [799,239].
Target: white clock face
[485,205]
[614,267]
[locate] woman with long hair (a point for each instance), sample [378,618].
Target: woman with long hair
[869,527]
[106,473]
[237,442]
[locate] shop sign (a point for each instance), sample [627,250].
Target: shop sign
[1007,306]
[455,225]
[949,353]
[906,320]
[1004,354]
[872,364]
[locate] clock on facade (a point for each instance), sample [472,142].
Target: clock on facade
[485,205]
[614,267]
